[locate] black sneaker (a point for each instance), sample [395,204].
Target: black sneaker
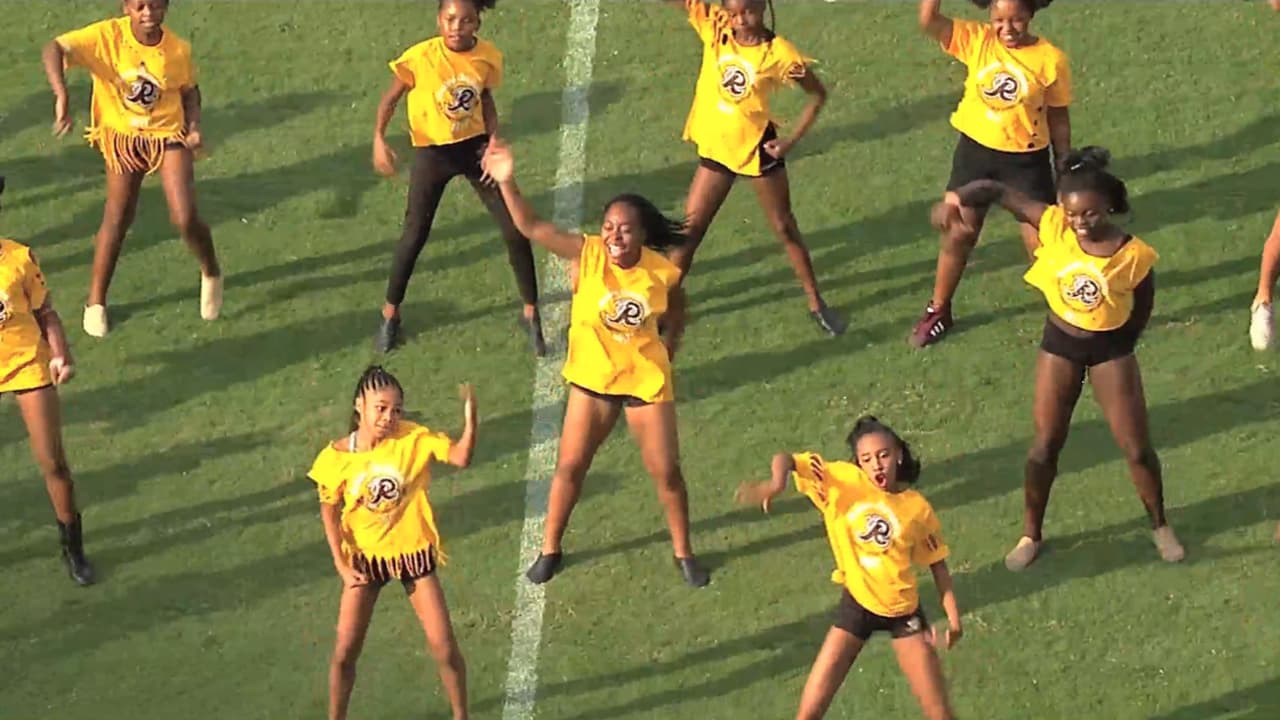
[544,568]
[533,326]
[388,335]
[828,320]
[73,552]
[693,572]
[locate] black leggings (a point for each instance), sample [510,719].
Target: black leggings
[433,168]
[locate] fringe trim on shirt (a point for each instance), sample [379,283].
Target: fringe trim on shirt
[129,152]
[398,567]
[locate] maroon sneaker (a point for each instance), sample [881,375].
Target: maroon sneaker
[933,326]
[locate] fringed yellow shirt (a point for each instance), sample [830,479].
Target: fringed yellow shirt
[876,536]
[137,91]
[24,354]
[730,109]
[387,522]
[614,346]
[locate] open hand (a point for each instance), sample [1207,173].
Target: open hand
[943,216]
[62,370]
[754,494]
[62,122]
[778,147]
[351,578]
[498,163]
[949,638]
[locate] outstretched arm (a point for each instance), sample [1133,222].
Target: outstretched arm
[500,165]
[933,23]
[763,493]
[980,193]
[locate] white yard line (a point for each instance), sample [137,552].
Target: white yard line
[548,388]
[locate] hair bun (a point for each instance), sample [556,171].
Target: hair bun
[1092,157]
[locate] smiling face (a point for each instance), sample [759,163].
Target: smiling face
[1011,19]
[880,457]
[458,21]
[1088,212]
[623,234]
[145,15]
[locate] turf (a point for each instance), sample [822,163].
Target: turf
[190,440]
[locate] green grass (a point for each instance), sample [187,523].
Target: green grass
[190,440]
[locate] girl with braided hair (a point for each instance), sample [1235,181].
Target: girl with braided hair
[1014,110]
[743,62]
[380,527]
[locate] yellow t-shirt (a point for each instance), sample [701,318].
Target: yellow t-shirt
[731,100]
[614,346]
[1007,92]
[382,492]
[1091,293]
[137,90]
[24,354]
[875,536]
[445,88]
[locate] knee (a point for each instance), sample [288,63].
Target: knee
[185,221]
[55,469]
[669,478]
[1140,454]
[959,241]
[344,658]
[571,471]
[784,225]
[447,653]
[1045,451]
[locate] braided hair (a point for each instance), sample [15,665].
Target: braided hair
[909,467]
[1086,171]
[479,5]
[373,378]
[1031,6]
[660,232]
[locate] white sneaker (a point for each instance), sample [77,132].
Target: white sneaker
[1261,326]
[95,320]
[210,297]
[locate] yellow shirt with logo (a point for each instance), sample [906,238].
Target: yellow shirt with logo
[382,493]
[731,100]
[24,353]
[1089,292]
[1007,91]
[137,91]
[876,536]
[614,345]
[445,89]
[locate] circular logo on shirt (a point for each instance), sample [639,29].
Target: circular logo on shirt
[1082,288]
[623,312]
[737,77]
[875,527]
[1001,87]
[5,312]
[458,98]
[380,489]
[141,90]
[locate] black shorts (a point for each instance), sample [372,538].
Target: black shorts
[1095,349]
[861,622]
[460,158]
[1030,173]
[416,567]
[626,400]
[768,163]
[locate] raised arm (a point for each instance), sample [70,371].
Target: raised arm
[933,23]
[460,452]
[500,165]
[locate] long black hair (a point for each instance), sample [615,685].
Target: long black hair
[1086,170]
[373,378]
[660,232]
[908,467]
[1032,6]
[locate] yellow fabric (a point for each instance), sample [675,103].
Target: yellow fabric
[1091,293]
[24,354]
[1007,92]
[731,100]
[445,88]
[614,346]
[382,493]
[875,536]
[137,91]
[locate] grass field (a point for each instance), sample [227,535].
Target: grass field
[190,440]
